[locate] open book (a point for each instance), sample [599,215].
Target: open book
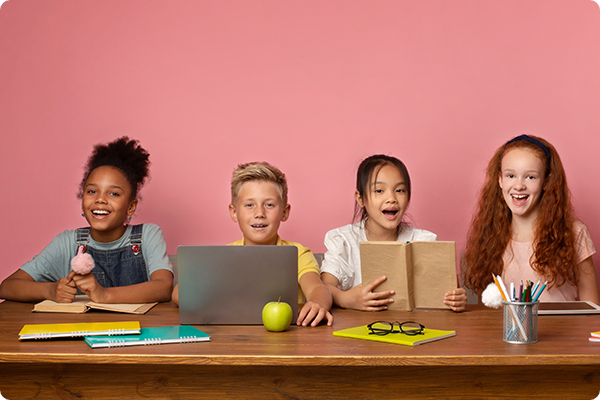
[82,303]
[420,273]
[150,336]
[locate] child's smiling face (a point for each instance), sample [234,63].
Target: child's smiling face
[259,211]
[107,203]
[385,203]
[522,181]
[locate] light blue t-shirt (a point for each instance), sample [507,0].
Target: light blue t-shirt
[54,262]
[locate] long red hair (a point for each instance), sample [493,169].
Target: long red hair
[490,231]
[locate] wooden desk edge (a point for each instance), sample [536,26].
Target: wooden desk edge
[358,361]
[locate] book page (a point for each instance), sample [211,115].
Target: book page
[391,259]
[434,272]
[419,272]
[129,308]
[77,306]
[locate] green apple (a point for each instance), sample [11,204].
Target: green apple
[277,316]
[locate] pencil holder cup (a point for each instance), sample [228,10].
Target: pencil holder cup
[520,322]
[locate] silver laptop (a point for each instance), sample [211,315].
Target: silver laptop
[224,285]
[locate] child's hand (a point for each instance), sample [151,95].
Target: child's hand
[364,298]
[90,286]
[314,312]
[64,290]
[456,299]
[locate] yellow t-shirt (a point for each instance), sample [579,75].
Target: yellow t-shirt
[306,261]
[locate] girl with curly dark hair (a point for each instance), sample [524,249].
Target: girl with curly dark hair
[129,263]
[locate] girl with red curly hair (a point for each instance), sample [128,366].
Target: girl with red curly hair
[524,228]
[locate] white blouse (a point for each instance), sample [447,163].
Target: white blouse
[342,258]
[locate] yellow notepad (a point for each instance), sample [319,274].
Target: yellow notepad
[81,304]
[48,331]
[362,332]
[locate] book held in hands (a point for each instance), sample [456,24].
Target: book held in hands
[419,272]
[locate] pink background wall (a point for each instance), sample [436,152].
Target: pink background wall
[311,86]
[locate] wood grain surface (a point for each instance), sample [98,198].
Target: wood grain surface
[304,363]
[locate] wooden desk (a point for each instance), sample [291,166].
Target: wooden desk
[247,362]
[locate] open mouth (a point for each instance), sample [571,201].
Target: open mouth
[100,212]
[390,213]
[258,226]
[519,198]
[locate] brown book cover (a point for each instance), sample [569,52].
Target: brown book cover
[419,272]
[81,304]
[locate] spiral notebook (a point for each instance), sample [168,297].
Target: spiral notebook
[150,336]
[49,331]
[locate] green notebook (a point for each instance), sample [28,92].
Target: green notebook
[362,332]
[155,335]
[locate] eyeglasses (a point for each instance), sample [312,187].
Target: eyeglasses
[384,327]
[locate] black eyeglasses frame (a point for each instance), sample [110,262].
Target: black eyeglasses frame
[412,331]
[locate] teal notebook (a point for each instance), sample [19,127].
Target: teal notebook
[155,335]
[362,332]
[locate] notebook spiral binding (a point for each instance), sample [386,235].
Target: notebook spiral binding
[116,343]
[149,342]
[43,335]
[118,331]
[188,339]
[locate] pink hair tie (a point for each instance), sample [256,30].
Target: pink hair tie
[82,263]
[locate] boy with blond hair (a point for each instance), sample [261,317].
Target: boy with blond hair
[259,205]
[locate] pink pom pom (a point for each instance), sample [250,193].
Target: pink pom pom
[82,263]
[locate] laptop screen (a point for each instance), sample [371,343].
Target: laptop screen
[231,284]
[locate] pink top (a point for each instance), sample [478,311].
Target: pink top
[517,268]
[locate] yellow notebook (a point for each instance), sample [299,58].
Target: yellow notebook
[362,332]
[81,304]
[48,331]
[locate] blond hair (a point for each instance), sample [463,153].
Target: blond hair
[258,171]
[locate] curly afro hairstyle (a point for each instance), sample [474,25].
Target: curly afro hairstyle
[125,154]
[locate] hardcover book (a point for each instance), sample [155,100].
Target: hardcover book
[420,273]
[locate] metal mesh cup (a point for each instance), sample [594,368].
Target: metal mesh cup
[520,322]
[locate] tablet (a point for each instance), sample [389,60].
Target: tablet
[568,307]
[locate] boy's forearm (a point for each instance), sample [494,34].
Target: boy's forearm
[321,295]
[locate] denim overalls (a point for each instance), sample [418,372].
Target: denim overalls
[119,267]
